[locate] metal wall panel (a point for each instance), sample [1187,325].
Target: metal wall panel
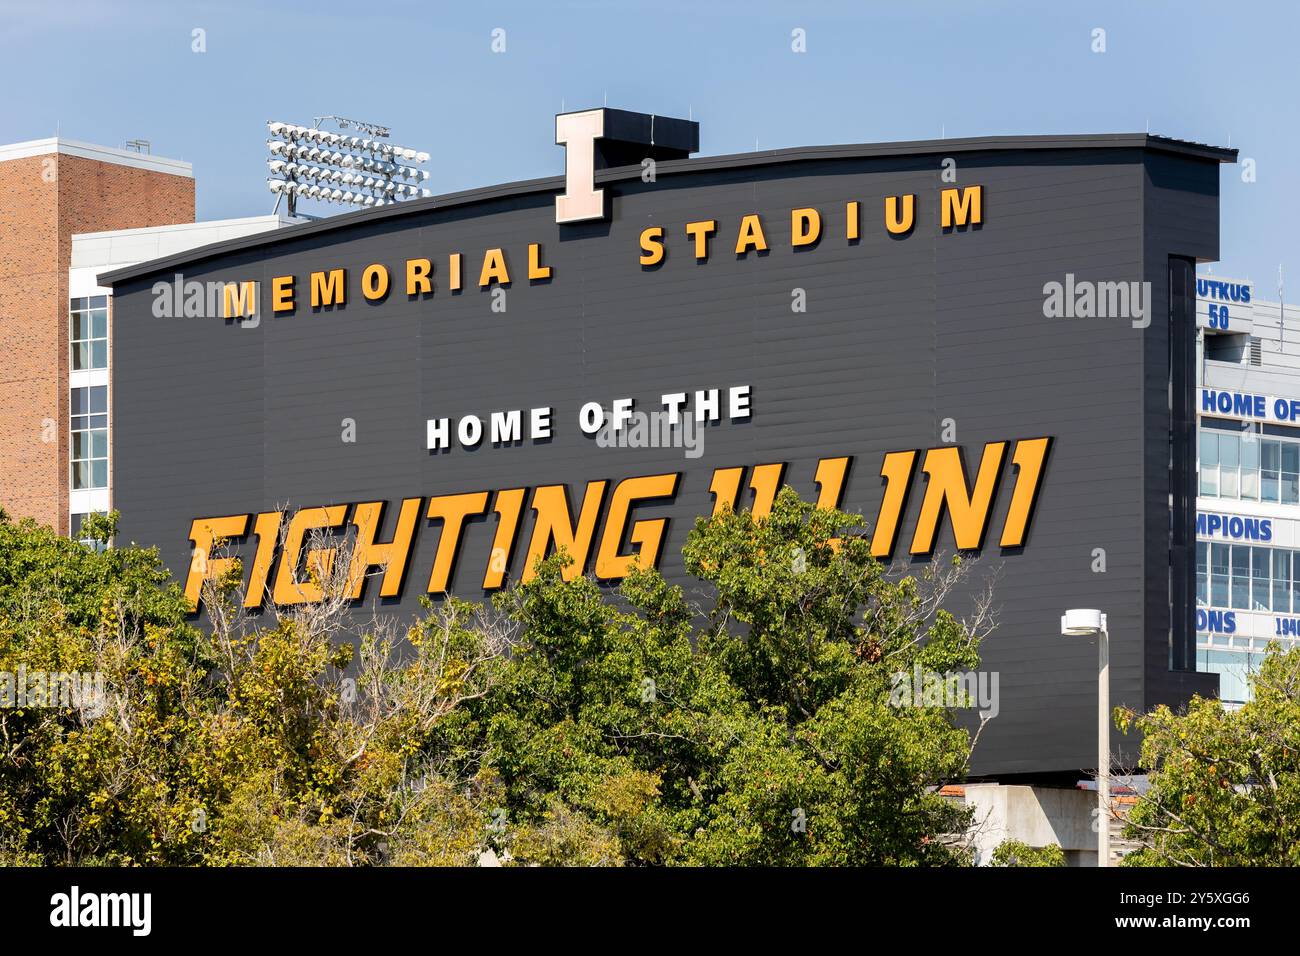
[899,334]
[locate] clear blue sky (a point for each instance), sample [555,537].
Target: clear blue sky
[109,71]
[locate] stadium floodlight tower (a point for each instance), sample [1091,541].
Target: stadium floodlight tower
[308,162]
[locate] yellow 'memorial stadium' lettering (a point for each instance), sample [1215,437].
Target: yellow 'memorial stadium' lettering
[700,232]
[392,557]
[750,236]
[805,226]
[536,270]
[946,487]
[962,206]
[648,533]
[282,294]
[418,281]
[652,246]
[853,222]
[374,282]
[553,524]
[207,533]
[327,288]
[494,269]
[240,299]
[900,214]
[290,590]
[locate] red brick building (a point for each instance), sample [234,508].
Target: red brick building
[50,190]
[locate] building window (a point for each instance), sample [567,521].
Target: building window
[1247,466]
[77,520]
[1234,670]
[1219,575]
[1202,573]
[90,437]
[89,332]
[1247,578]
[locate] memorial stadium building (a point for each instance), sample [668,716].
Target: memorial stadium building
[982,345]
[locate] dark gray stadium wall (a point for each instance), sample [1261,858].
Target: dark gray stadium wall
[900,333]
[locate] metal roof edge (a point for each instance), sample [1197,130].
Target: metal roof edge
[796,154]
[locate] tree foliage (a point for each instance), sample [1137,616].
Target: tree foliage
[1224,784]
[1016,853]
[564,724]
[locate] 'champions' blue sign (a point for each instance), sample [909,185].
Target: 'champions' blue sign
[1233,527]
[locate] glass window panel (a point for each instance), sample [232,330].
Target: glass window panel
[100,474]
[97,421]
[1227,482]
[99,398]
[79,446]
[1229,450]
[1250,484]
[1295,580]
[1282,581]
[1241,577]
[80,329]
[1210,480]
[1250,451]
[78,401]
[1290,456]
[1290,489]
[99,354]
[99,444]
[1261,595]
[1209,448]
[78,304]
[81,475]
[1203,573]
[1269,455]
[1269,486]
[98,302]
[1219,576]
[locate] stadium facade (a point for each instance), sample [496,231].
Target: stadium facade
[998,346]
[974,343]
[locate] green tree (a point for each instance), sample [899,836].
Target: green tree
[237,744]
[569,724]
[1015,853]
[1224,784]
[763,737]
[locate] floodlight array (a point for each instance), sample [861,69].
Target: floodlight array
[319,164]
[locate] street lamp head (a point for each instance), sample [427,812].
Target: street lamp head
[1083,622]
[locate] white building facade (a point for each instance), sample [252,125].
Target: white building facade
[1248,500]
[90,477]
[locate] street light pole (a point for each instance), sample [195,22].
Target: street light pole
[1086,623]
[1103,744]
